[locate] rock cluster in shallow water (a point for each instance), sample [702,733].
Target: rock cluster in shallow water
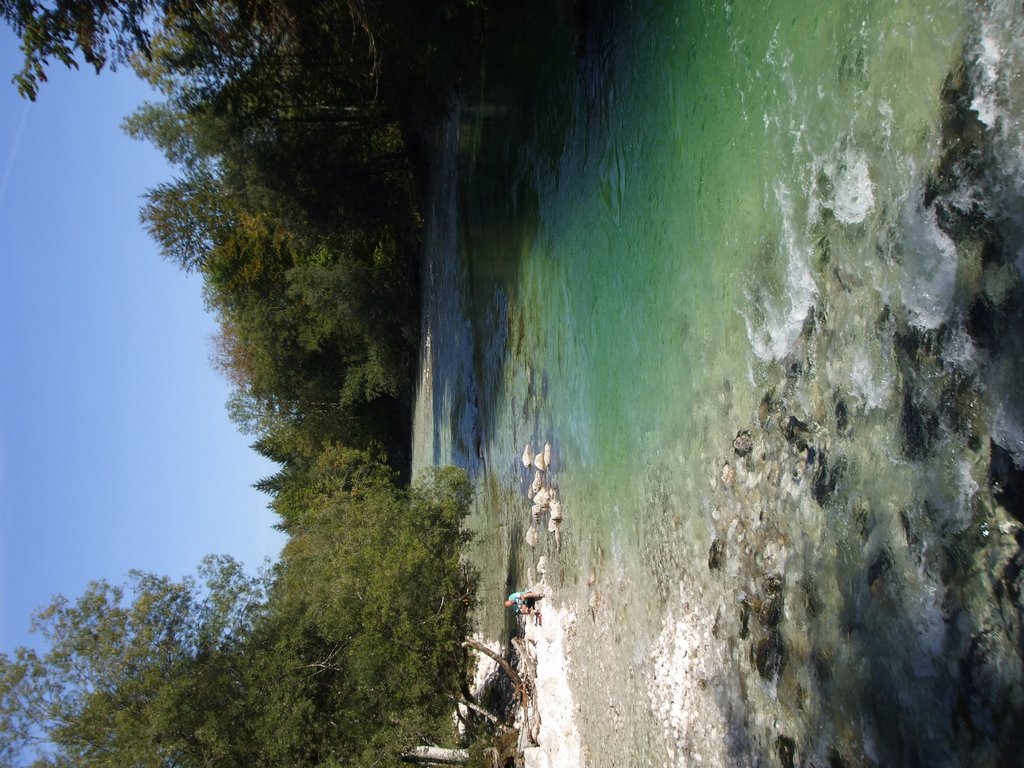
[543,494]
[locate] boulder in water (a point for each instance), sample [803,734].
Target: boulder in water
[556,510]
[537,484]
[1007,480]
[527,456]
[716,554]
[744,443]
[728,475]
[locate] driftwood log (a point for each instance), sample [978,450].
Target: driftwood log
[436,756]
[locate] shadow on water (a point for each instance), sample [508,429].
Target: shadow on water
[516,121]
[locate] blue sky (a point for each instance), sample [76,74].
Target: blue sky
[115,447]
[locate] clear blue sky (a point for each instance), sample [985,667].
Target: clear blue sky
[115,447]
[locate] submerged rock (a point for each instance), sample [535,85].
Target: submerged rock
[766,408]
[1007,481]
[786,748]
[770,610]
[770,655]
[827,478]
[919,425]
[716,555]
[744,443]
[796,431]
[728,475]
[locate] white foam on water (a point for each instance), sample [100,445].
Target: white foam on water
[871,382]
[1007,432]
[959,350]
[967,489]
[929,626]
[930,263]
[989,57]
[774,323]
[854,196]
[998,89]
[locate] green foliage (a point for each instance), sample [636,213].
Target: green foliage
[349,650]
[293,128]
[135,675]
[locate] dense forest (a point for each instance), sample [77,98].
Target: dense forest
[297,130]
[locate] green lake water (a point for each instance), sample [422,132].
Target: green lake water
[659,225]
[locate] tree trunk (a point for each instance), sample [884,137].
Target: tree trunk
[513,675]
[435,755]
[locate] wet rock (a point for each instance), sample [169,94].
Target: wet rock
[1012,572]
[537,484]
[842,414]
[786,748]
[744,443]
[796,431]
[917,345]
[744,618]
[964,138]
[770,611]
[1007,481]
[821,663]
[982,323]
[827,478]
[716,555]
[527,456]
[770,655]
[728,475]
[794,369]
[879,570]
[556,510]
[766,408]
[812,602]
[835,760]
[981,690]
[542,498]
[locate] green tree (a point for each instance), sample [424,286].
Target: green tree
[133,675]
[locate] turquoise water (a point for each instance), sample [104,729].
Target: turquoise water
[667,223]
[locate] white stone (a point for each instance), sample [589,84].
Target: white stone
[556,510]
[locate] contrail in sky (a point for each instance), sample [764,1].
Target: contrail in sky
[13,152]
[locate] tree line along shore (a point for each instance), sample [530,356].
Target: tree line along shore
[297,133]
